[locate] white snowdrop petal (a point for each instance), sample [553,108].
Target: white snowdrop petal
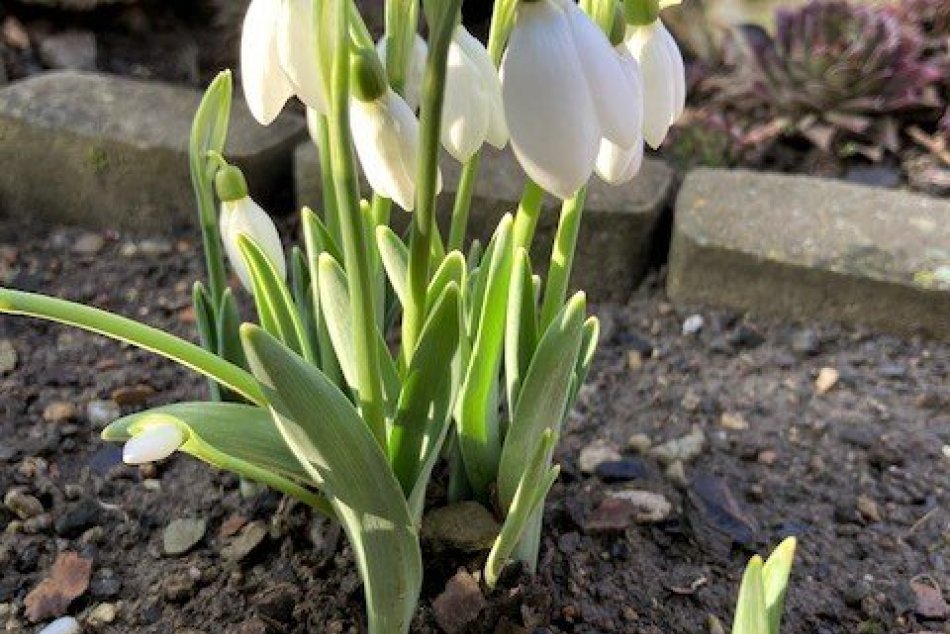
[465,110]
[266,87]
[385,134]
[153,443]
[497,126]
[244,216]
[312,125]
[551,118]
[412,90]
[658,91]
[677,72]
[613,95]
[298,52]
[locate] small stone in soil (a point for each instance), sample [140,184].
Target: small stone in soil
[733,421]
[639,443]
[178,588]
[715,516]
[459,604]
[648,507]
[622,470]
[827,379]
[182,535]
[466,526]
[64,625]
[22,504]
[59,412]
[693,324]
[88,244]
[102,413]
[77,517]
[132,395]
[868,509]
[676,473]
[8,356]
[683,449]
[929,602]
[246,542]
[596,453]
[806,343]
[102,614]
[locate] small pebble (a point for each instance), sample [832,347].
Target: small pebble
[640,443]
[596,453]
[59,412]
[63,625]
[102,614]
[88,244]
[8,357]
[182,535]
[681,449]
[648,507]
[102,413]
[806,343]
[693,324]
[733,421]
[22,504]
[622,470]
[868,509]
[827,379]
[676,473]
[767,457]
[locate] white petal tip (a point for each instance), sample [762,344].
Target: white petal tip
[152,444]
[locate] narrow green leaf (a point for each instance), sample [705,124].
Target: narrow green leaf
[301,291]
[275,306]
[544,393]
[395,257]
[238,438]
[132,332]
[589,338]
[425,402]
[477,419]
[337,449]
[316,241]
[209,130]
[452,269]
[751,616]
[533,486]
[316,232]
[229,321]
[775,574]
[205,322]
[521,333]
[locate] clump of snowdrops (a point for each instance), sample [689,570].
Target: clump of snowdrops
[311,400]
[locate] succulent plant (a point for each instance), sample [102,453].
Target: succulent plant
[844,76]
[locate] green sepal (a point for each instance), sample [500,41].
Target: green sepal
[337,449]
[536,480]
[234,437]
[543,397]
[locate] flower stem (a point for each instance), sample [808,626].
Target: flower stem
[529,209]
[331,213]
[446,16]
[562,256]
[463,202]
[353,229]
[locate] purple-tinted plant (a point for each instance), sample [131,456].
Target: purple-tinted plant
[843,76]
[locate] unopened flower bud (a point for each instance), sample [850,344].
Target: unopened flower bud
[230,184]
[155,442]
[367,76]
[641,12]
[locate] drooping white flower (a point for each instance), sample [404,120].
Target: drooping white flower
[240,215]
[279,57]
[386,137]
[618,164]
[155,442]
[412,90]
[555,131]
[664,78]
[490,83]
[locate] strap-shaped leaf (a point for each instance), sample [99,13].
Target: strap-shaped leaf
[395,257]
[238,438]
[337,449]
[318,240]
[422,416]
[775,574]
[229,321]
[317,237]
[477,415]
[536,480]
[589,339]
[751,616]
[275,306]
[452,269]
[521,333]
[205,322]
[335,304]
[301,290]
[544,393]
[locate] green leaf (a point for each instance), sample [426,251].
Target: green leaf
[275,306]
[452,269]
[337,449]
[589,338]
[132,332]
[205,322]
[395,257]
[751,616]
[209,130]
[302,292]
[238,438]
[775,574]
[229,321]
[335,304]
[544,393]
[477,416]
[425,403]
[317,238]
[316,241]
[533,486]
[521,334]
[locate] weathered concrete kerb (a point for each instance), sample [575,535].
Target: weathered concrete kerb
[617,232]
[111,152]
[801,247]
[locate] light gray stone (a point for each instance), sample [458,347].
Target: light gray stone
[74,50]
[616,238]
[182,535]
[111,152]
[802,247]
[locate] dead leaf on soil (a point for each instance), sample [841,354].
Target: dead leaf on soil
[67,580]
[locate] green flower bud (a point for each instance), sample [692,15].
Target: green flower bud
[641,12]
[230,184]
[367,76]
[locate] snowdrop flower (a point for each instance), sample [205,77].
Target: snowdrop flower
[412,90]
[279,57]
[472,112]
[155,442]
[240,215]
[565,90]
[385,132]
[617,164]
[664,78]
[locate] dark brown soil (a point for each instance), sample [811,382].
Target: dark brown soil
[860,474]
